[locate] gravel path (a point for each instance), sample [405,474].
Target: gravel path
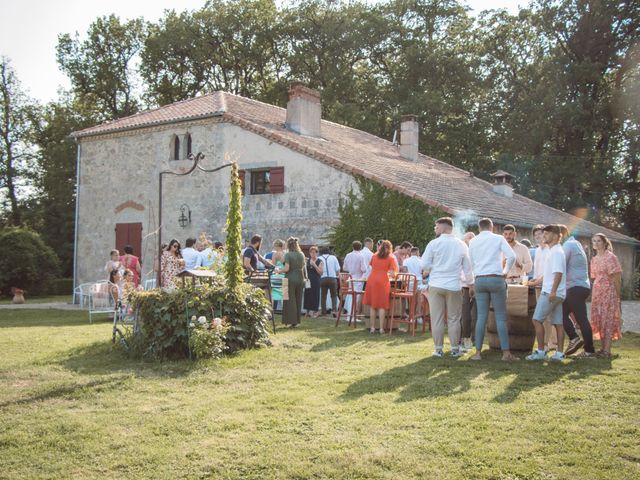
[630,312]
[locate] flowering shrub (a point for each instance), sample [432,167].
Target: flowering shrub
[207,338]
[165,318]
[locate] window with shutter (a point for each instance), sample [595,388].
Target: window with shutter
[277,180]
[260,182]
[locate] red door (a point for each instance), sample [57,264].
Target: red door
[129,234]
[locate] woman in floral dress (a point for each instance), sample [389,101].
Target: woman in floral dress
[171,264]
[605,294]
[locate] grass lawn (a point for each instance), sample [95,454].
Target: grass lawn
[320,403]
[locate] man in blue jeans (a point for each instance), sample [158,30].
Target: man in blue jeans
[554,291]
[578,290]
[486,252]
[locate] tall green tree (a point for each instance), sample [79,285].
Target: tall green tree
[227,45]
[101,67]
[18,119]
[382,214]
[56,180]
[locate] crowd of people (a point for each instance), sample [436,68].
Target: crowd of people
[457,281]
[124,272]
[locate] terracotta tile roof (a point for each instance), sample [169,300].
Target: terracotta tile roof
[434,182]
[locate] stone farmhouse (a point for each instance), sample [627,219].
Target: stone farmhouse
[295,168]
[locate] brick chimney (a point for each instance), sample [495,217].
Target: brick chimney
[304,110]
[502,183]
[409,132]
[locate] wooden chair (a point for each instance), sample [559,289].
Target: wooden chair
[425,313]
[347,290]
[405,288]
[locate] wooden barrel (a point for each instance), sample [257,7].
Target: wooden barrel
[522,333]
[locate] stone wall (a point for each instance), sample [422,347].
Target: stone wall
[119,184]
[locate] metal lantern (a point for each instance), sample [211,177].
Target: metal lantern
[185,216]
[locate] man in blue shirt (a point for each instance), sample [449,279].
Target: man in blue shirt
[578,290]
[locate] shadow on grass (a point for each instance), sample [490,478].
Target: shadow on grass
[103,358]
[25,318]
[75,390]
[344,337]
[435,377]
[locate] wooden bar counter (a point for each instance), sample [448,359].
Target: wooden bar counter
[521,303]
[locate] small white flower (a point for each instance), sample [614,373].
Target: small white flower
[193,318]
[202,320]
[217,322]
[192,324]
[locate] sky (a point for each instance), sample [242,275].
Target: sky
[29,31]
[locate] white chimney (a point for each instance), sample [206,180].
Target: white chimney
[304,110]
[502,183]
[409,132]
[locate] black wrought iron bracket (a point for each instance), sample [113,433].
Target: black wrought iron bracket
[196,165]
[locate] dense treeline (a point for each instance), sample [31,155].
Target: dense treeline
[551,94]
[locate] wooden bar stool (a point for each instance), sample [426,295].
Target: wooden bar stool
[347,290]
[406,286]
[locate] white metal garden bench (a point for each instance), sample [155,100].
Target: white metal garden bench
[101,299]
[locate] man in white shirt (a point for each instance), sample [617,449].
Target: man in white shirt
[443,259]
[192,258]
[486,252]
[523,263]
[329,280]
[542,252]
[355,264]
[367,252]
[553,294]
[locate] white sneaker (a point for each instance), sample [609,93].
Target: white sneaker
[537,355]
[457,352]
[438,354]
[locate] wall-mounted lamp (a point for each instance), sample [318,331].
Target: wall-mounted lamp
[185,216]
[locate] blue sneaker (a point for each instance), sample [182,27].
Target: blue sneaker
[537,355]
[558,357]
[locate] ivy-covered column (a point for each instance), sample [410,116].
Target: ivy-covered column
[233,267]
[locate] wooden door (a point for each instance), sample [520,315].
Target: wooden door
[129,234]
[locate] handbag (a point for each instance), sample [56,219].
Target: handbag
[307,282]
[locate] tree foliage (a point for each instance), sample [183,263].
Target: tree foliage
[18,120]
[53,209]
[27,262]
[550,94]
[382,214]
[101,67]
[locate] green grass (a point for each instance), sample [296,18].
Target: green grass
[40,299]
[318,404]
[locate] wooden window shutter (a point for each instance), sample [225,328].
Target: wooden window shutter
[241,175]
[276,183]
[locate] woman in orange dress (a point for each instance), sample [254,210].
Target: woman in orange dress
[376,293]
[605,294]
